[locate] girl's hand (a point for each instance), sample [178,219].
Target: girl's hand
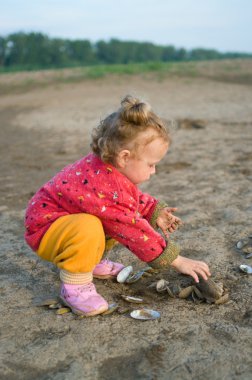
[167,221]
[191,267]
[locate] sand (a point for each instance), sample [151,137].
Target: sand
[207,174]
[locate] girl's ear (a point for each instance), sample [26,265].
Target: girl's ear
[122,158]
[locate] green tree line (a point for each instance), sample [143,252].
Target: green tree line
[37,50]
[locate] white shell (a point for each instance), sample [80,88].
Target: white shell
[246,268]
[132,299]
[162,286]
[145,314]
[241,243]
[124,274]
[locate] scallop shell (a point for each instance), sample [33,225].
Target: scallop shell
[241,243]
[245,246]
[134,277]
[170,292]
[248,249]
[161,286]
[186,292]
[246,268]
[198,293]
[124,274]
[147,274]
[195,297]
[222,300]
[175,289]
[145,314]
[132,299]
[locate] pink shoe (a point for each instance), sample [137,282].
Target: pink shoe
[107,269]
[83,299]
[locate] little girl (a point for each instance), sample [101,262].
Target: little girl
[67,219]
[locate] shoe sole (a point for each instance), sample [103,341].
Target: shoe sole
[104,277]
[79,312]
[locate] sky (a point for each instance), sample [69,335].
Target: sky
[224,25]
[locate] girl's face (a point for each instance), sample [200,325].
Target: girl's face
[138,168]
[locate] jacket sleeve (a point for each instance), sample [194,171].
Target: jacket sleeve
[150,207]
[136,234]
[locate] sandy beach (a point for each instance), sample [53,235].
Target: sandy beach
[207,174]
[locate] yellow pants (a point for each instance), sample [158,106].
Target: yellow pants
[75,243]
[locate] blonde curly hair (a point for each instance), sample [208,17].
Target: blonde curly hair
[120,129]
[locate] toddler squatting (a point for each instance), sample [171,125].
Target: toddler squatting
[68,219]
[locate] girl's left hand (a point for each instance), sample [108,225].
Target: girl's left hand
[167,221]
[191,267]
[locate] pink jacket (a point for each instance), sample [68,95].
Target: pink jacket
[94,187]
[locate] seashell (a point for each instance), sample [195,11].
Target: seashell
[195,297]
[48,302]
[112,307]
[161,286]
[198,293]
[132,299]
[63,310]
[241,243]
[147,274]
[186,292]
[248,256]
[170,292]
[246,268]
[124,274]
[176,289]
[134,277]
[55,306]
[247,249]
[150,270]
[210,290]
[222,299]
[220,286]
[145,314]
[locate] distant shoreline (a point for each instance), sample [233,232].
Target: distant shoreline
[234,71]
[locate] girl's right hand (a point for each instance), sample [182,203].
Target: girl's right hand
[167,221]
[191,267]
